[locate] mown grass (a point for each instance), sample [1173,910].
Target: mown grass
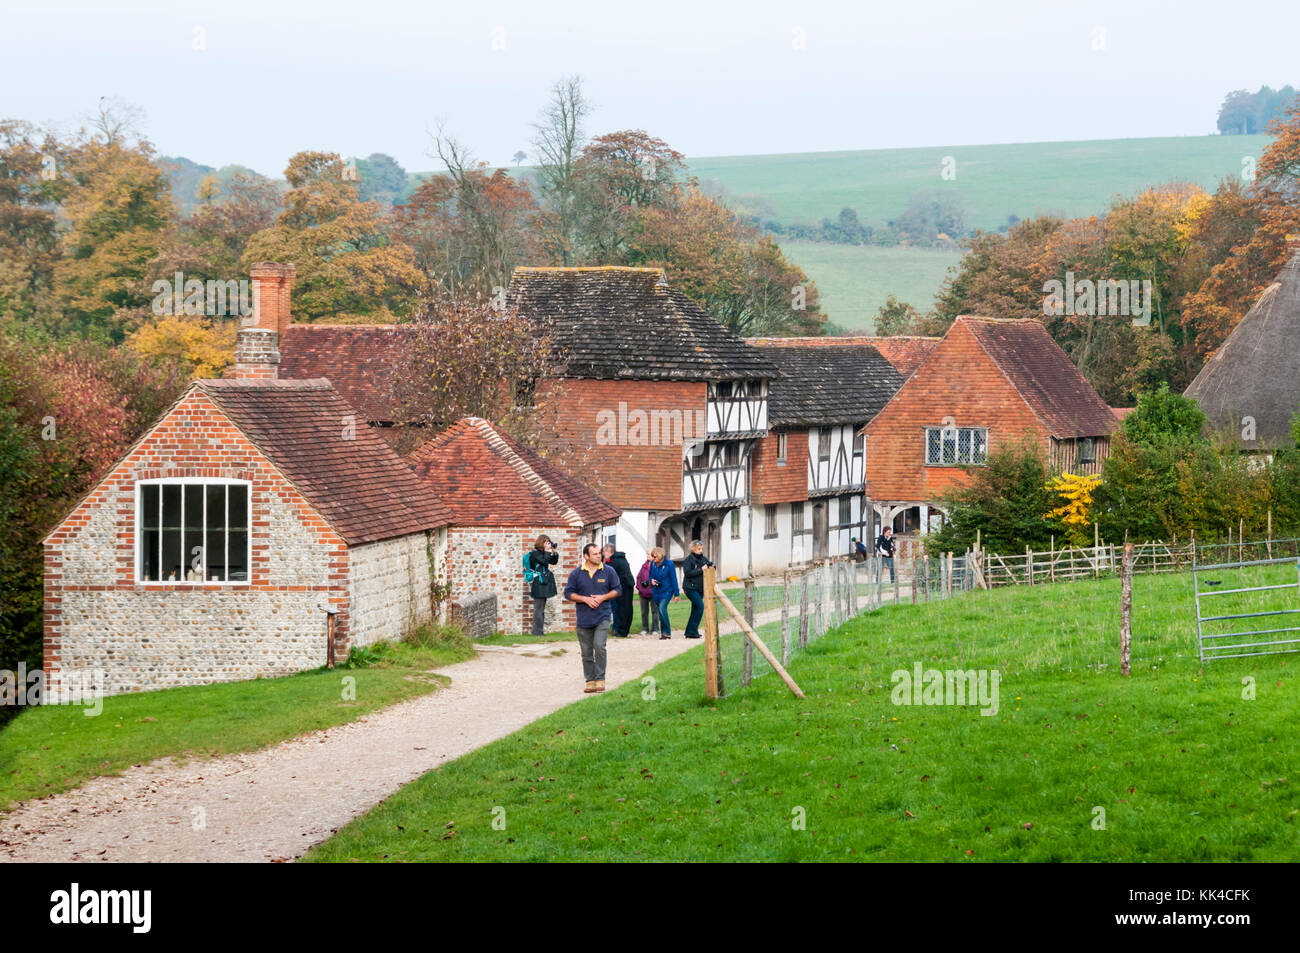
[53,748]
[1184,765]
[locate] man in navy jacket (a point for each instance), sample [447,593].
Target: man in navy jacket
[592,586]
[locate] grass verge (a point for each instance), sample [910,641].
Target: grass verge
[57,747]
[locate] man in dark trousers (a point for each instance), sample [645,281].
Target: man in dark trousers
[885,550]
[693,585]
[617,561]
[593,585]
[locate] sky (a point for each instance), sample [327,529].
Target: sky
[254,81]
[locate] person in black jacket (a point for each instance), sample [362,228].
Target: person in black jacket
[617,561]
[693,585]
[885,550]
[540,560]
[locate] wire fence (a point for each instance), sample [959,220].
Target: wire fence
[1064,616]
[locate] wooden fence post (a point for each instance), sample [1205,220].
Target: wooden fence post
[803,610]
[713,686]
[785,618]
[1126,609]
[747,663]
[1029,565]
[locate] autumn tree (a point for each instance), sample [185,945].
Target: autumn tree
[468,358]
[726,266]
[470,226]
[30,188]
[348,269]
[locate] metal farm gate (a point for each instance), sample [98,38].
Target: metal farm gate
[1262,585]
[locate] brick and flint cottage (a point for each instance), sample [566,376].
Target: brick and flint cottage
[501,497]
[255,522]
[809,471]
[654,401]
[986,383]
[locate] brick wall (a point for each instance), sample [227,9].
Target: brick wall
[781,482]
[490,559]
[151,635]
[960,381]
[388,583]
[642,477]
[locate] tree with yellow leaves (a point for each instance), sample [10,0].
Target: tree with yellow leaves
[206,347]
[1075,512]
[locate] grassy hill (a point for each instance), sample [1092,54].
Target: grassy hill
[1183,765]
[993,181]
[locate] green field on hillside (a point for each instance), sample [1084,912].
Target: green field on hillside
[994,182]
[1177,762]
[855,280]
[1023,179]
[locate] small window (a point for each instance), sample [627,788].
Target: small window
[755,388]
[735,524]
[859,443]
[846,511]
[780,448]
[824,443]
[1087,450]
[721,390]
[954,446]
[769,521]
[796,518]
[192,531]
[731,455]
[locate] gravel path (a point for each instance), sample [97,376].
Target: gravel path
[275,803]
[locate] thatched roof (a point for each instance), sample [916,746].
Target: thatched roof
[1256,371]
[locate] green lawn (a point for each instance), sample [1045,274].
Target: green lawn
[57,747]
[1183,765]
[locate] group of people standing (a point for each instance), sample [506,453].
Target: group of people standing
[603,589]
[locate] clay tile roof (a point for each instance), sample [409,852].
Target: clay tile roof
[1043,375]
[827,381]
[1256,370]
[611,323]
[487,479]
[358,359]
[363,489]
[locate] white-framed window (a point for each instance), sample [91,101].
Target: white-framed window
[954,446]
[193,530]
[780,448]
[735,524]
[769,521]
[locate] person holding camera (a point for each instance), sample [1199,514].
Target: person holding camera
[693,585]
[540,560]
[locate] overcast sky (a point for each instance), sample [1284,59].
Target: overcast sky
[254,81]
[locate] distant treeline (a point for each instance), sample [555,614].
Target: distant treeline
[1244,113]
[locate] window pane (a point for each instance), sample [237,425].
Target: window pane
[192,544]
[932,446]
[149,506]
[171,533]
[981,449]
[949,446]
[237,540]
[148,517]
[964,440]
[216,537]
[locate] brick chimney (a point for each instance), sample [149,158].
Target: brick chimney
[257,348]
[257,354]
[272,285]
